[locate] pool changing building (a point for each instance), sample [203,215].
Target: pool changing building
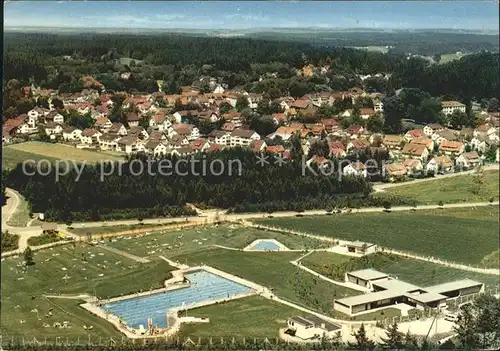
[383,290]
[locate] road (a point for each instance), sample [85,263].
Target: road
[382,187]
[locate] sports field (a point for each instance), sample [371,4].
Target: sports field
[35,150]
[462,234]
[412,271]
[463,188]
[173,244]
[68,270]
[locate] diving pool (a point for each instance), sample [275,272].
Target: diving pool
[266,246]
[205,286]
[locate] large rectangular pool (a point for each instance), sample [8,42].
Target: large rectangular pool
[205,286]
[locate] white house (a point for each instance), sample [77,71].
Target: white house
[118,128]
[378,106]
[53,129]
[90,136]
[71,133]
[481,144]
[356,169]
[108,141]
[54,116]
[439,164]
[220,137]
[155,148]
[190,131]
[451,106]
[218,90]
[243,137]
[432,128]
[128,144]
[468,160]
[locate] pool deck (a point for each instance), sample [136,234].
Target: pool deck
[174,321]
[251,247]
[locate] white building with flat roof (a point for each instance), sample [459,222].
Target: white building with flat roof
[387,291]
[312,327]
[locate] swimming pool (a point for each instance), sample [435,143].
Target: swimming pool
[266,246]
[204,286]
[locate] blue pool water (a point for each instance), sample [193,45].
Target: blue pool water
[266,246]
[204,286]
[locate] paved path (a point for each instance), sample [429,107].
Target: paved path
[174,264]
[124,254]
[382,187]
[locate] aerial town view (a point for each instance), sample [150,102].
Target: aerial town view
[250,175]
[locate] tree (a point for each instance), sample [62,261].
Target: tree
[241,103]
[466,328]
[410,341]
[440,203]
[393,113]
[386,204]
[487,316]
[362,341]
[394,339]
[375,123]
[28,257]
[458,119]
[57,104]
[492,105]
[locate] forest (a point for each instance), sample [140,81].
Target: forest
[179,60]
[249,187]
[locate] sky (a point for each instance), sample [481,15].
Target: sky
[472,15]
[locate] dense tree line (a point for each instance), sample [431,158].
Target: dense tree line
[472,77]
[243,184]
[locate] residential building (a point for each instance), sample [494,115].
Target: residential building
[199,145]
[108,142]
[416,151]
[393,142]
[128,144]
[118,129]
[468,160]
[358,145]
[258,146]
[220,137]
[71,133]
[243,137]
[444,135]
[440,164]
[133,119]
[451,147]
[414,133]
[189,131]
[451,106]
[481,143]
[103,124]
[356,169]
[413,166]
[395,171]
[90,136]
[53,129]
[155,148]
[55,117]
[432,128]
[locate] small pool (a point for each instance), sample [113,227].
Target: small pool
[266,245]
[205,286]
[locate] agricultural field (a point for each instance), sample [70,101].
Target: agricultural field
[173,244]
[250,317]
[274,271]
[38,150]
[412,271]
[464,235]
[69,269]
[463,188]
[11,157]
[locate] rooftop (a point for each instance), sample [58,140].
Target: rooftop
[451,286]
[368,274]
[369,297]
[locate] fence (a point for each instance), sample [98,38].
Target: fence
[442,262]
[71,343]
